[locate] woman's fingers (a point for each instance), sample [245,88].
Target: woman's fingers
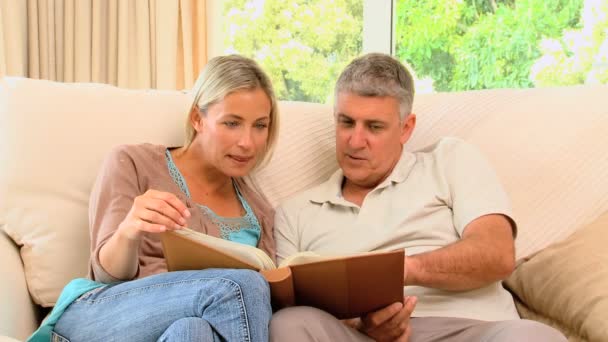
[172,200]
[161,208]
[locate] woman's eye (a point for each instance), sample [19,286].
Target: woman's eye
[231,123]
[261,125]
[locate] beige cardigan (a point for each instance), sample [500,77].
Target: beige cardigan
[129,171]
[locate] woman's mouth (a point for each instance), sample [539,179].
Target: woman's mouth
[240,159]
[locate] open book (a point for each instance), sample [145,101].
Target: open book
[345,286]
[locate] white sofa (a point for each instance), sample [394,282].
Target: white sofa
[549,147]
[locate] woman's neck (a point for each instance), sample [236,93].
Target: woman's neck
[199,174]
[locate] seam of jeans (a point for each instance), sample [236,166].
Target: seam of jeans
[55,337]
[89,293]
[235,285]
[243,313]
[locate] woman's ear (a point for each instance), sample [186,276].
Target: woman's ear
[196,119]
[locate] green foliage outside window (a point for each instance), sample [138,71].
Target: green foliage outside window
[302,44]
[457,44]
[479,44]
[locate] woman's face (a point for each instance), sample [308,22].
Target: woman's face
[234,133]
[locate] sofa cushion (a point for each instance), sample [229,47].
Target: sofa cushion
[566,284]
[547,145]
[53,137]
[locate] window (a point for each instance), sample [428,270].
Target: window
[481,44]
[302,44]
[451,45]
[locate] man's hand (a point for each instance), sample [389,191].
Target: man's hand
[389,324]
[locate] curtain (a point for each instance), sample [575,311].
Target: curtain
[128,43]
[13,37]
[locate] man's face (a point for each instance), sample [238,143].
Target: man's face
[369,137]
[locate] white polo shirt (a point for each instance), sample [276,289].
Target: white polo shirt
[424,204]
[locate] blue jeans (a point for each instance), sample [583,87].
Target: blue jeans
[208,305]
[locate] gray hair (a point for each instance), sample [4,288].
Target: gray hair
[376,74]
[224,75]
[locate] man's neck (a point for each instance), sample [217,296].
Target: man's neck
[355,193]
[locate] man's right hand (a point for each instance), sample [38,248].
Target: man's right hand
[153,212]
[391,323]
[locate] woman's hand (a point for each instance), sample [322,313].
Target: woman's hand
[154,212]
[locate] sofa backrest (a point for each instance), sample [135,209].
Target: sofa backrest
[547,145]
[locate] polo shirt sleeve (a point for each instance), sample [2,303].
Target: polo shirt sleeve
[473,185]
[285,232]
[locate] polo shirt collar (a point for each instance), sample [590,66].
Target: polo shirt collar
[331,190]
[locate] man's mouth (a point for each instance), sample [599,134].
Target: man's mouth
[355,157]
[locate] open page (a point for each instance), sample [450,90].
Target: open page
[310,257]
[248,254]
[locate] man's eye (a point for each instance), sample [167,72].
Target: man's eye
[376,127]
[346,123]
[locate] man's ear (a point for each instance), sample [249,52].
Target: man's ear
[196,119]
[408,128]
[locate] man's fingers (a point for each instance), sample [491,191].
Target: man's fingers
[375,319]
[410,304]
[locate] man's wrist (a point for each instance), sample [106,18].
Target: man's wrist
[409,273]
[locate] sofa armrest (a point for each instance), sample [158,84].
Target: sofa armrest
[18,314]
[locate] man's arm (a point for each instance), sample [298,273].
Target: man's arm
[485,254]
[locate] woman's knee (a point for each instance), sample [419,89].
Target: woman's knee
[251,283]
[188,329]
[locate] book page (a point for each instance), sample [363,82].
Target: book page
[241,251]
[302,258]
[309,257]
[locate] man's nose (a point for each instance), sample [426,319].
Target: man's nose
[357,139]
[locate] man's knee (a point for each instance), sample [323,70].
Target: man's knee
[303,323]
[299,323]
[527,330]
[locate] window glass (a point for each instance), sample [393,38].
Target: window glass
[302,44]
[457,45]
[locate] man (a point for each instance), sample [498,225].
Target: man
[443,205]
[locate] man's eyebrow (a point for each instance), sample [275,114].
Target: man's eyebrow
[344,116]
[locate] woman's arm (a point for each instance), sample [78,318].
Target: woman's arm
[120,212]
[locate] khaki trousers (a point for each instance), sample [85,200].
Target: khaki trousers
[299,324]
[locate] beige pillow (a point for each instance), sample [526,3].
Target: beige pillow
[566,284]
[53,137]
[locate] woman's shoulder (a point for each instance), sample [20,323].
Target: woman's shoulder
[136,153]
[144,149]
[254,195]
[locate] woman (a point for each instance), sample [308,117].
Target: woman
[144,190]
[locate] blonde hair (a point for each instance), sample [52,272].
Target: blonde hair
[224,75]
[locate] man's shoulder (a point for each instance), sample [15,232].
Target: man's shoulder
[303,199]
[445,144]
[449,148]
